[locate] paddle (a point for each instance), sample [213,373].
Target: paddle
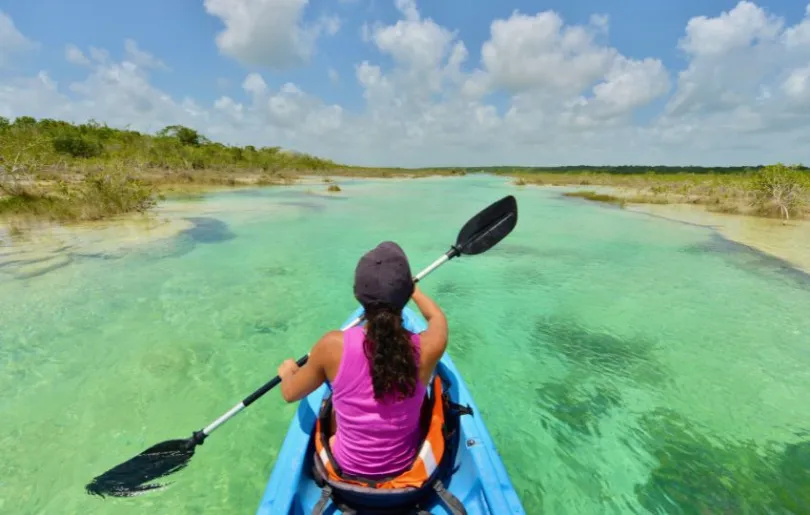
[479,234]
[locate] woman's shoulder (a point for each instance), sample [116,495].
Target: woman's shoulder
[329,350]
[329,344]
[332,339]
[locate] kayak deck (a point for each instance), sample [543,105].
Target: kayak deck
[479,480]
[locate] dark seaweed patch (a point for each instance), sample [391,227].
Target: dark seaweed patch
[249,193]
[21,274]
[604,353]
[697,472]
[174,361]
[208,230]
[18,262]
[522,276]
[204,230]
[448,289]
[577,405]
[178,246]
[309,206]
[271,328]
[334,197]
[96,255]
[518,250]
[277,271]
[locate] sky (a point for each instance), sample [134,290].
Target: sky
[415,83]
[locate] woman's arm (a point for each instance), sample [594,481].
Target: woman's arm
[434,338]
[298,382]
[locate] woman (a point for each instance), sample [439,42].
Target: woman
[378,373]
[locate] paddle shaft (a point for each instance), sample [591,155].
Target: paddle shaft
[266,387]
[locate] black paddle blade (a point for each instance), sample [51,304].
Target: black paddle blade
[130,478]
[488,227]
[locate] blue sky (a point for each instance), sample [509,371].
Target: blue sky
[634,82]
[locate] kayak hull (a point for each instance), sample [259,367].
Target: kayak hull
[479,480]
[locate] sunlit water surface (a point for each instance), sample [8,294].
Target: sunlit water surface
[623,363]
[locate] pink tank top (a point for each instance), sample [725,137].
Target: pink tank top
[374,439]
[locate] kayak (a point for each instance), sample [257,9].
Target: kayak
[478,478]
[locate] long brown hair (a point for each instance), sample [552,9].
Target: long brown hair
[388,345]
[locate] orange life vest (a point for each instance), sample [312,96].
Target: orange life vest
[410,488]
[423,467]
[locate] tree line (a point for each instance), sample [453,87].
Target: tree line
[55,142]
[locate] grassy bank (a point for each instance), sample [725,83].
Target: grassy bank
[596,197]
[59,171]
[772,191]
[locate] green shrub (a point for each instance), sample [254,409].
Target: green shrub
[77,146]
[780,190]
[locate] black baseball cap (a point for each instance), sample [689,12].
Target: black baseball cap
[383,276]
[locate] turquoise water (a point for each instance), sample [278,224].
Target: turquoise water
[624,364]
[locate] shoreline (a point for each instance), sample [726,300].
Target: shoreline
[158,189]
[789,241]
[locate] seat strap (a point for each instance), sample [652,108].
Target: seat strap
[326,496]
[450,501]
[458,408]
[346,510]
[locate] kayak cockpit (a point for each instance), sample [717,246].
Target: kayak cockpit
[476,476]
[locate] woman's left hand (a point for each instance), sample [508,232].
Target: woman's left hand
[287,368]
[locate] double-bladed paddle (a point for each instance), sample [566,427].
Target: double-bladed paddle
[479,234]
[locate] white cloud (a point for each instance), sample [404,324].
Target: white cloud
[539,53]
[254,84]
[268,33]
[75,56]
[141,58]
[629,84]
[408,9]
[329,25]
[411,42]
[544,92]
[99,54]
[747,75]
[741,27]
[600,22]
[797,84]
[12,41]
[334,76]
[799,36]
[34,96]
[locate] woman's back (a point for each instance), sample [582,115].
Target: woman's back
[373,438]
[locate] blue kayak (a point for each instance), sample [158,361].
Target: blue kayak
[477,478]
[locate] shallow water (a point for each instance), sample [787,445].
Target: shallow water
[624,364]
